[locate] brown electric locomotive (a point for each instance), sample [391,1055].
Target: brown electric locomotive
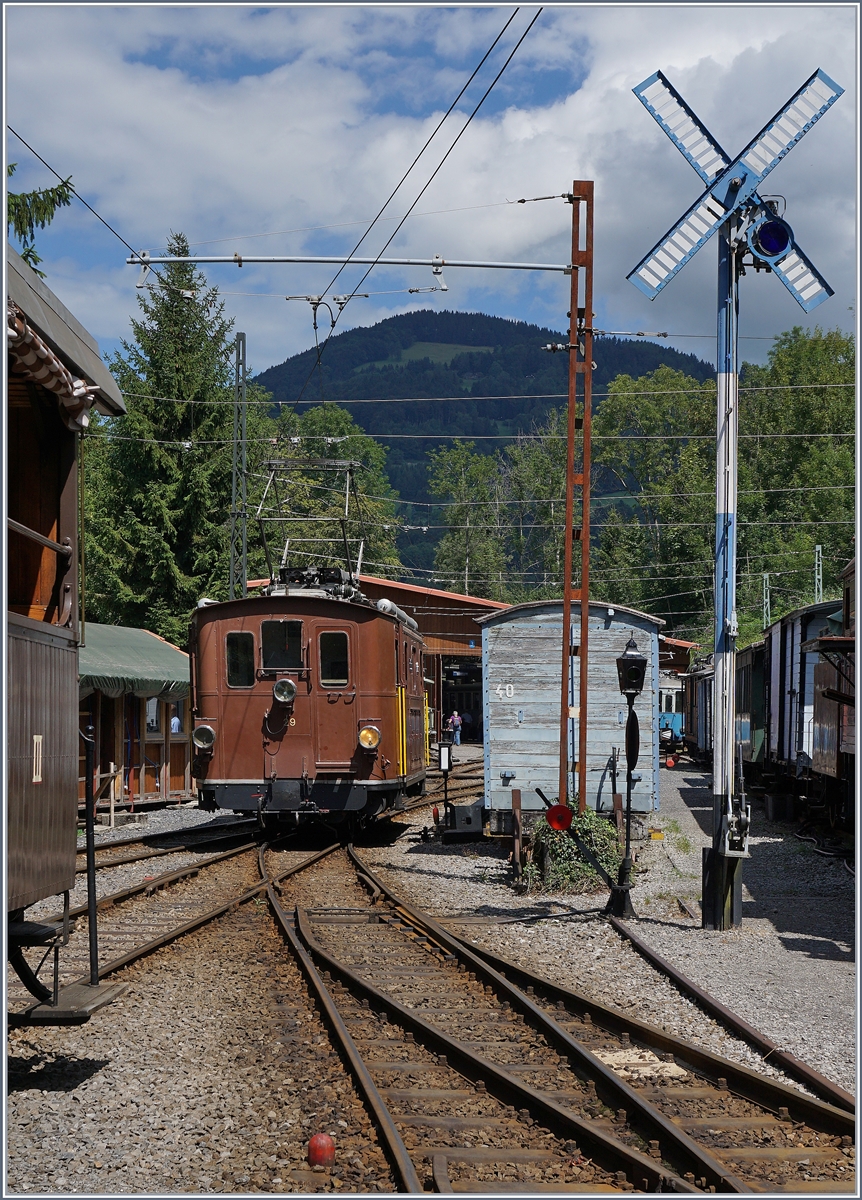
[309,702]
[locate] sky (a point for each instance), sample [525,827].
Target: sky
[282,130]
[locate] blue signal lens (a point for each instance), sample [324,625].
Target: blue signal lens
[771,239]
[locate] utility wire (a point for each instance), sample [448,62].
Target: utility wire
[782,387]
[480,437]
[403,178]
[434,174]
[244,237]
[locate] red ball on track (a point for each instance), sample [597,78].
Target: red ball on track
[321,1151]
[670,761]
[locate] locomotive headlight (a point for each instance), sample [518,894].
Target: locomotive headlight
[284,691]
[369,737]
[204,737]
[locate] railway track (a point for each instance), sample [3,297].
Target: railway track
[466,782]
[137,920]
[495,1084]
[478,1074]
[190,839]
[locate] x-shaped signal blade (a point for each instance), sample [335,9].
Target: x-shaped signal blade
[731,186]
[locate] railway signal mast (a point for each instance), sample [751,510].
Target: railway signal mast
[745,222]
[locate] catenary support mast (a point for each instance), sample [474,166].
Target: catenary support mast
[238,511]
[580,365]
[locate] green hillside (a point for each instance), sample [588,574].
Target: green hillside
[476,376]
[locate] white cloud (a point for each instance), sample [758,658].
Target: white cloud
[219,120]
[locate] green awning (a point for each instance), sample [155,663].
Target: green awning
[117,662]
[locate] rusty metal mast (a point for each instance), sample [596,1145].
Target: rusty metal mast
[580,364]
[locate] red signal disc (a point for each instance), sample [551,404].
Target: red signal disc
[559,816]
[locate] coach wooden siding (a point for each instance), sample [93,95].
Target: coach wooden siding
[521,653]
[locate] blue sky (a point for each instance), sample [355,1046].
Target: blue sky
[226,122]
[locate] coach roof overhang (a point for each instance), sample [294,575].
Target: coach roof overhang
[64,334]
[596,609]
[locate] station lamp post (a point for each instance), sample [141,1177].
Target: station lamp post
[631,669]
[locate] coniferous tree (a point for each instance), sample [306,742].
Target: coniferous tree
[159,478]
[27,211]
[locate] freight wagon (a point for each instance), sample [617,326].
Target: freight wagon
[521,674]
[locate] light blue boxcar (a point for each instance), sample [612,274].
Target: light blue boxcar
[521,672]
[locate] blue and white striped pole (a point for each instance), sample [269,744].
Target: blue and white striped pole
[721,883]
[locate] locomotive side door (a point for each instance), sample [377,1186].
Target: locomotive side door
[335,674]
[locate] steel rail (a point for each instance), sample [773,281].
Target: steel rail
[795,1067]
[498,1080]
[744,1081]
[152,885]
[205,918]
[159,852]
[621,1094]
[193,829]
[397,1151]
[774,1096]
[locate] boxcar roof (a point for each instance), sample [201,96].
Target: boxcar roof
[550,605]
[820,609]
[67,336]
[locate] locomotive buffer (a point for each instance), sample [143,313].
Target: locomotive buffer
[746,223]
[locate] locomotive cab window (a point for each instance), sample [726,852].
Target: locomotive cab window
[333,659]
[281,645]
[240,659]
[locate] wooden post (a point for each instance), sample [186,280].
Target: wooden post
[119,752]
[516,833]
[113,794]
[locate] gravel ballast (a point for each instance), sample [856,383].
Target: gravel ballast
[208,1075]
[788,970]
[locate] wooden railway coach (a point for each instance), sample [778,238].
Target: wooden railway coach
[308,702]
[55,377]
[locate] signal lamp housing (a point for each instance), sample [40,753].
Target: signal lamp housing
[369,737]
[204,737]
[631,669]
[284,691]
[770,238]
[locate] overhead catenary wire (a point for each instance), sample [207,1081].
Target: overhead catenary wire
[434,212]
[188,444]
[398,186]
[269,401]
[436,170]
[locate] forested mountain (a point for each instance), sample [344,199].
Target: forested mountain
[454,354]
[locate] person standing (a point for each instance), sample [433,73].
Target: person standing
[455,722]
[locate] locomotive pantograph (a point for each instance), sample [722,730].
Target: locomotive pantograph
[309,698]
